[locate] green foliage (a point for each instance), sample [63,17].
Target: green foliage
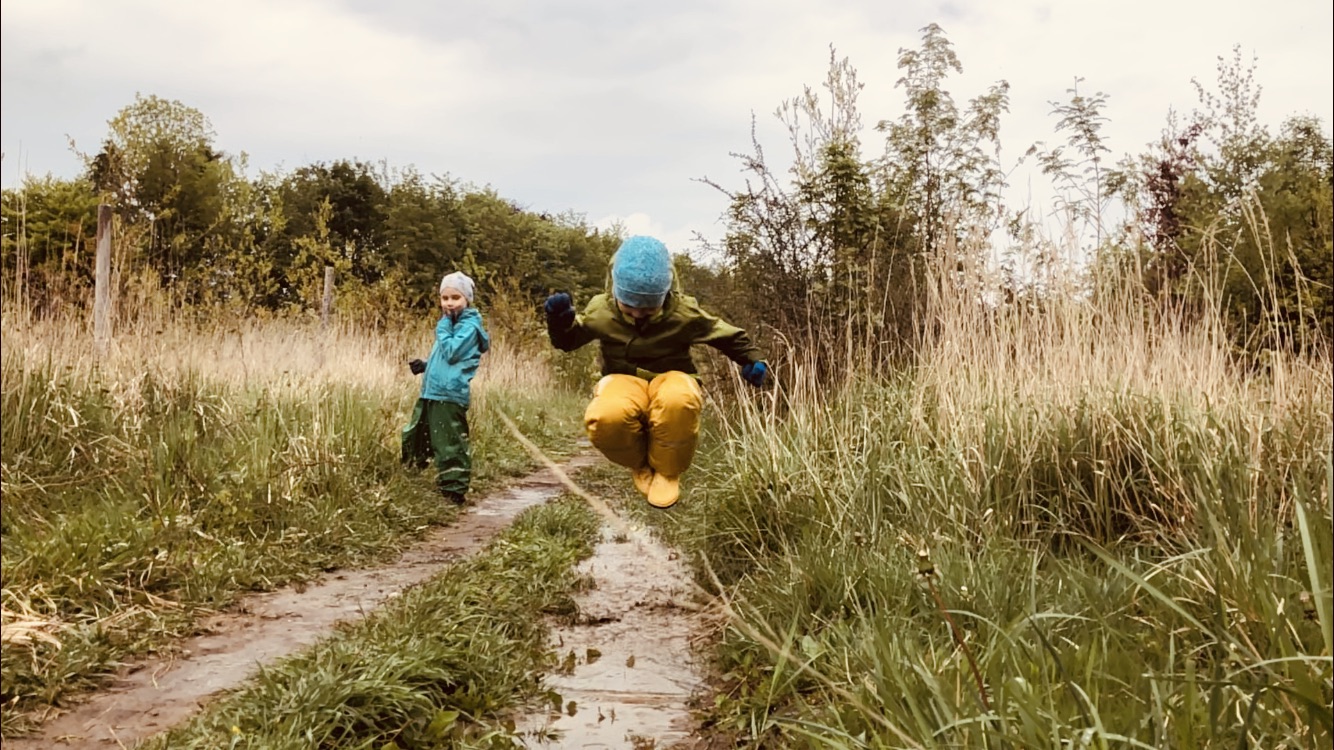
[540,253]
[49,242]
[827,263]
[833,257]
[942,163]
[193,230]
[836,262]
[424,229]
[175,194]
[149,129]
[1082,179]
[1238,217]
[332,215]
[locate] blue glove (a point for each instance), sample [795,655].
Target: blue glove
[755,373]
[560,310]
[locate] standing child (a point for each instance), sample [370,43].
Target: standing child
[439,426]
[645,410]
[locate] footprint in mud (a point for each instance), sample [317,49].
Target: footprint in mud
[152,695]
[627,670]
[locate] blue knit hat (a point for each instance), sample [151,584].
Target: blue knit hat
[641,272]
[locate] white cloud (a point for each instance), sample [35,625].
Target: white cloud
[679,239]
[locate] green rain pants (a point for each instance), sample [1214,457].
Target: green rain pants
[438,432]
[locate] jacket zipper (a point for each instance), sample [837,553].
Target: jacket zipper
[634,326]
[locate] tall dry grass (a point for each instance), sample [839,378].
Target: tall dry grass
[189,460]
[1083,521]
[250,351]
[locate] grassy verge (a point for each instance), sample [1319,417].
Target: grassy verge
[1090,540]
[439,667]
[142,487]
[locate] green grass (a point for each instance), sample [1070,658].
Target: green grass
[439,667]
[132,500]
[1125,569]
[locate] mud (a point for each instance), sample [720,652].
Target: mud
[151,696]
[630,665]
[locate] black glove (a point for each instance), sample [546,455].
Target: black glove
[417,366]
[560,310]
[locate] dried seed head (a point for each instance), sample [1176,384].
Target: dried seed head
[924,564]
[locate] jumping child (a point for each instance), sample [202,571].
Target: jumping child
[645,410]
[439,426]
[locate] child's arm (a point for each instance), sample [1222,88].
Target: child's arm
[733,342]
[464,338]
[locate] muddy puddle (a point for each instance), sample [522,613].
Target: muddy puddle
[151,696]
[628,668]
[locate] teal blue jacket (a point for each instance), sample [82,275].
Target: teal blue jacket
[458,349]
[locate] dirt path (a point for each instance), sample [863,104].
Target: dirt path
[630,668]
[153,695]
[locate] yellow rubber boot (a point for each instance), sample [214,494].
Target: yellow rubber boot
[664,491]
[643,479]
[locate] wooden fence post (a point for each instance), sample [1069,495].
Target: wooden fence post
[327,304]
[102,281]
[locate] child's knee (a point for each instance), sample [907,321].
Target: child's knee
[618,400]
[675,392]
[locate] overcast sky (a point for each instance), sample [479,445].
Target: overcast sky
[610,108]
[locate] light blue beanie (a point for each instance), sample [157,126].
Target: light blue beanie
[641,272]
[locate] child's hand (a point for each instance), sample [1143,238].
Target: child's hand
[755,373]
[417,366]
[558,304]
[560,312]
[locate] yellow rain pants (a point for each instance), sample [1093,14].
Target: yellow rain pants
[638,423]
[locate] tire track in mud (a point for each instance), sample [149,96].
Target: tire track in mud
[155,694]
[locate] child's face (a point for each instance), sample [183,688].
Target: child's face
[452,300]
[638,313]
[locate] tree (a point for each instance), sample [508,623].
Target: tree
[50,231]
[1082,178]
[940,163]
[537,252]
[353,225]
[825,260]
[1232,213]
[424,233]
[160,171]
[142,132]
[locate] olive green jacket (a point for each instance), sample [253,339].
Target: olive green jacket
[656,344]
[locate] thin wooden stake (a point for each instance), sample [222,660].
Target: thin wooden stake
[102,281]
[327,304]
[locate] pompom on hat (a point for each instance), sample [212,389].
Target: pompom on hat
[641,272]
[458,281]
